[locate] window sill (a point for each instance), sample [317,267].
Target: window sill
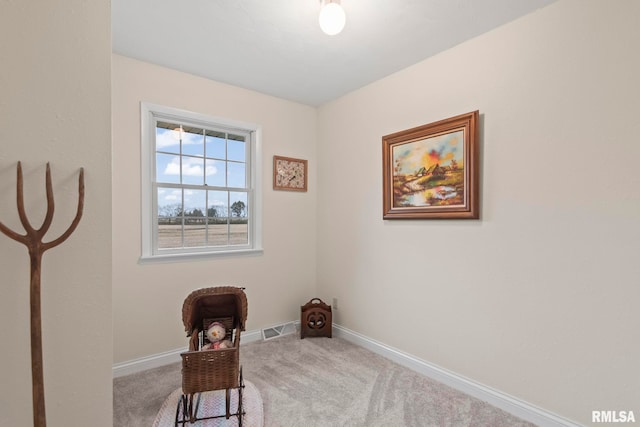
[196,256]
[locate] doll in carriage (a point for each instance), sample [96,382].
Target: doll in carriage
[213,319]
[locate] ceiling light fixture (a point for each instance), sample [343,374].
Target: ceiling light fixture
[332,17]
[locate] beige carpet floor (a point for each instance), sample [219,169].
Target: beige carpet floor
[321,382]
[212,404]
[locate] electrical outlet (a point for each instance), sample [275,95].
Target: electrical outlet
[335,304]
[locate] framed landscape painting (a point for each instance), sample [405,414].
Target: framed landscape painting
[431,171]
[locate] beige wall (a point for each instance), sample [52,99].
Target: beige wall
[55,107]
[148,298]
[539,298]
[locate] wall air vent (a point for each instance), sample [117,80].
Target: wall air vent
[279,330]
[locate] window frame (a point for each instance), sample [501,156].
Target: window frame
[149,115]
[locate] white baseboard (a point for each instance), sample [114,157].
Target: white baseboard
[167,357]
[507,403]
[510,404]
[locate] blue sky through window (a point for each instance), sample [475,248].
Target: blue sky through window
[193,156]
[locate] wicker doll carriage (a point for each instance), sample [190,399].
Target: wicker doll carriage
[208,370]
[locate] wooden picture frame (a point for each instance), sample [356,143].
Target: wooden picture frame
[431,171]
[289,174]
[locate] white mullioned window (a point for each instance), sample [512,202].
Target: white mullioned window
[200,192]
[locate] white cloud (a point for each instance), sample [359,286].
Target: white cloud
[167,139]
[211,170]
[171,138]
[173,168]
[173,196]
[190,167]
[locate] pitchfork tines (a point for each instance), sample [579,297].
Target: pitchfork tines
[33,240]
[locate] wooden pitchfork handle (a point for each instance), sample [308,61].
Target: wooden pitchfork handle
[33,240]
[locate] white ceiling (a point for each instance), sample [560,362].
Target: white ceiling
[276,46]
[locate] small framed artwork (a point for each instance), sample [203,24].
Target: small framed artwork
[289,174]
[431,171]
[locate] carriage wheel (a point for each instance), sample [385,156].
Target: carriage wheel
[181,410]
[194,410]
[240,388]
[190,408]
